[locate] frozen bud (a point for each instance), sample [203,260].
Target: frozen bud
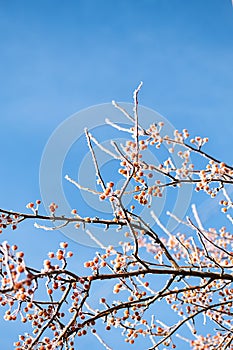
[30,205]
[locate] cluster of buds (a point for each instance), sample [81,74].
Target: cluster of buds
[199,141]
[34,206]
[53,206]
[108,191]
[8,220]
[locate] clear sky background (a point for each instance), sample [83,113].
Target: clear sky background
[58,57]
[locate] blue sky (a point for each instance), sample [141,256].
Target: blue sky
[59,57]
